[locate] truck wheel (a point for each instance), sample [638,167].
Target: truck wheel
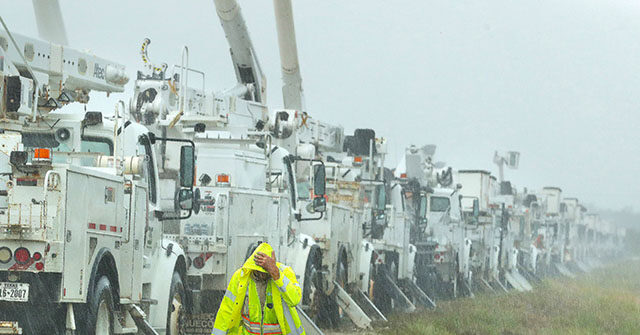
[337,313]
[100,309]
[311,273]
[378,291]
[312,296]
[176,313]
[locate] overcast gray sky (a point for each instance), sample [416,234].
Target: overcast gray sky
[557,80]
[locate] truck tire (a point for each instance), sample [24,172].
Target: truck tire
[382,295]
[312,270]
[176,313]
[100,309]
[314,297]
[338,315]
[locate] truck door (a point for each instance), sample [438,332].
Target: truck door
[287,232]
[135,239]
[275,238]
[138,196]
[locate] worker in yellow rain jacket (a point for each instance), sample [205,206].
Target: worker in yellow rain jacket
[261,298]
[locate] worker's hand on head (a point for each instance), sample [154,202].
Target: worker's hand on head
[268,263]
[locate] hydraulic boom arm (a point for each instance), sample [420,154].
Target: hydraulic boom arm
[49,21]
[292,81]
[243,55]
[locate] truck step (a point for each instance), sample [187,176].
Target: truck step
[486,283]
[528,274]
[140,319]
[513,282]
[415,291]
[355,313]
[398,295]
[309,326]
[368,306]
[523,281]
[499,286]
[130,330]
[469,290]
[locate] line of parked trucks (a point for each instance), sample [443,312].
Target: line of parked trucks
[134,220]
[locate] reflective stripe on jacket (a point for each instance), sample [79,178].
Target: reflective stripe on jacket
[258,319]
[241,296]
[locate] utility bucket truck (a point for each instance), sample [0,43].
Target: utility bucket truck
[340,260]
[82,247]
[552,197]
[572,217]
[384,262]
[507,203]
[592,223]
[437,231]
[341,257]
[532,250]
[246,186]
[480,224]
[510,220]
[576,233]
[569,213]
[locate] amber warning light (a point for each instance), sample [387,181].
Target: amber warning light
[41,154]
[223,178]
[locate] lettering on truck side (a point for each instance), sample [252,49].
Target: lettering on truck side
[98,71]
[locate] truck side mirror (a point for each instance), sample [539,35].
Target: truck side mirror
[319,204]
[187,162]
[185,199]
[152,138]
[319,180]
[319,188]
[476,208]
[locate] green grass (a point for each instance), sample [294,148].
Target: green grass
[606,301]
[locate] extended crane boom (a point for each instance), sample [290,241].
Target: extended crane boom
[292,81]
[49,21]
[243,54]
[49,75]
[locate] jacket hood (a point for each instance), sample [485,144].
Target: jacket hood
[250,264]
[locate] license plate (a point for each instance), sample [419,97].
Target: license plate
[14,292]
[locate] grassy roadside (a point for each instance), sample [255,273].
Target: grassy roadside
[606,301]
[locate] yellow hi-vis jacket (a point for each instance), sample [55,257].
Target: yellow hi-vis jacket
[241,313]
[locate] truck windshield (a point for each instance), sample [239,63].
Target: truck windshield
[439,204]
[49,141]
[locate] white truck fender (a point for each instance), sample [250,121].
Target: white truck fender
[411,260]
[366,251]
[163,262]
[297,255]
